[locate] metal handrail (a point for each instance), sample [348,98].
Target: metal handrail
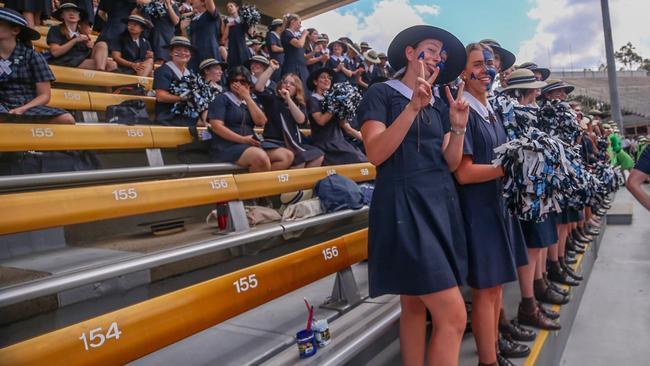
[15,182]
[53,284]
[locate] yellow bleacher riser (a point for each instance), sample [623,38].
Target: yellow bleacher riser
[58,207]
[135,331]
[70,99]
[99,101]
[71,75]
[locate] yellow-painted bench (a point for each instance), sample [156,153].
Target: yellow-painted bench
[135,331]
[58,207]
[71,75]
[91,101]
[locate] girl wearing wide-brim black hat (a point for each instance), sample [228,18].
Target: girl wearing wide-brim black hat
[339,62]
[25,77]
[327,131]
[132,51]
[556,89]
[233,116]
[180,50]
[541,73]
[416,233]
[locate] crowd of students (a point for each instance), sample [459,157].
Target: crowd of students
[438,218]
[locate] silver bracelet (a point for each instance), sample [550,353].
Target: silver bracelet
[459,131]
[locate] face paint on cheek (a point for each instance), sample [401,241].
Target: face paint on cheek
[490,70]
[421,56]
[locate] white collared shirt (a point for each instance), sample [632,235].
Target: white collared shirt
[403,89]
[483,110]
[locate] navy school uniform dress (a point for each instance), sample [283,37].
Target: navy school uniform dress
[490,253]
[273,38]
[75,56]
[294,57]
[114,27]
[333,63]
[282,130]
[205,31]
[18,84]
[161,33]
[235,115]
[87,5]
[162,79]
[330,138]
[238,52]
[131,50]
[416,235]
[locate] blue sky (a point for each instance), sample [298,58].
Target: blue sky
[560,34]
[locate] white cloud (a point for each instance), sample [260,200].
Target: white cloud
[570,32]
[428,9]
[377,28]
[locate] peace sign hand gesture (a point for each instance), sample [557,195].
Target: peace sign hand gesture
[423,89]
[458,108]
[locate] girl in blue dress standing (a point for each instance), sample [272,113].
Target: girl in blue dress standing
[163,30]
[416,237]
[293,43]
[204,32]
[235,31]
[490,253]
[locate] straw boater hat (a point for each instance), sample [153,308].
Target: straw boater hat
[58,13]
[275,23]
[314,75]
[456,56]
[354,47]
[371,56]
[553,84]
[596,112]
[523,79]
[507,57]
[26,35]
[180,41]
[209,62]
[533,67]
[259,59]
[138,19]
[321,39]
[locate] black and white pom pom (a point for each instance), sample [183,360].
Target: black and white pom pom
[197,93]
[250,15]
[556,118]
[516,118]
[342,99]
[155,9]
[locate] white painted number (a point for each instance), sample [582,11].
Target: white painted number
[96,338]
[219,184]
[245,283]
[73,96]
[125,194]
[365,171]
[89,74]
[330,253]
[283,178]
[133,132]
[42,132]
[331,171]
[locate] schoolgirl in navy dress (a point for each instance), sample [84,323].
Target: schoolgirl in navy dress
[69,46]
[314,56]
[132,51]
[180,50]
[235,31]
[163,30]
[32,10]
[490,253]
[321,53]
[205,30]
[339,62]
[25,77]
[521,90]
[232,116]
[212,72]
[416,237]
[327,131]
[274,45]
[116,11]
[293,43]
[285,108]
[257,66]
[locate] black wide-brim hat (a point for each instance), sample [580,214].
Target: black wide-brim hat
[507,58]
[314,75]
[27,34]
[533,67]
[58,13]
[557,84]
[138,19]
[343,45]
[456,55]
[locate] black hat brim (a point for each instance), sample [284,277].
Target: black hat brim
[143,24]
[456,55]
[83,14]
[314,75]
[343,45]
[507,58]
[545,73]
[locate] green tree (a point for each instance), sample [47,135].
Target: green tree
[628,56]
[646,66]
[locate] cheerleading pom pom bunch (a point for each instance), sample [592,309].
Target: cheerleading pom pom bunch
[342,100]
[197,95]
[250,15]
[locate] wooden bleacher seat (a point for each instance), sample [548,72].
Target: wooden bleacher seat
[80,100]
[58,207]
[99,101]
[135,331]
[71,75]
